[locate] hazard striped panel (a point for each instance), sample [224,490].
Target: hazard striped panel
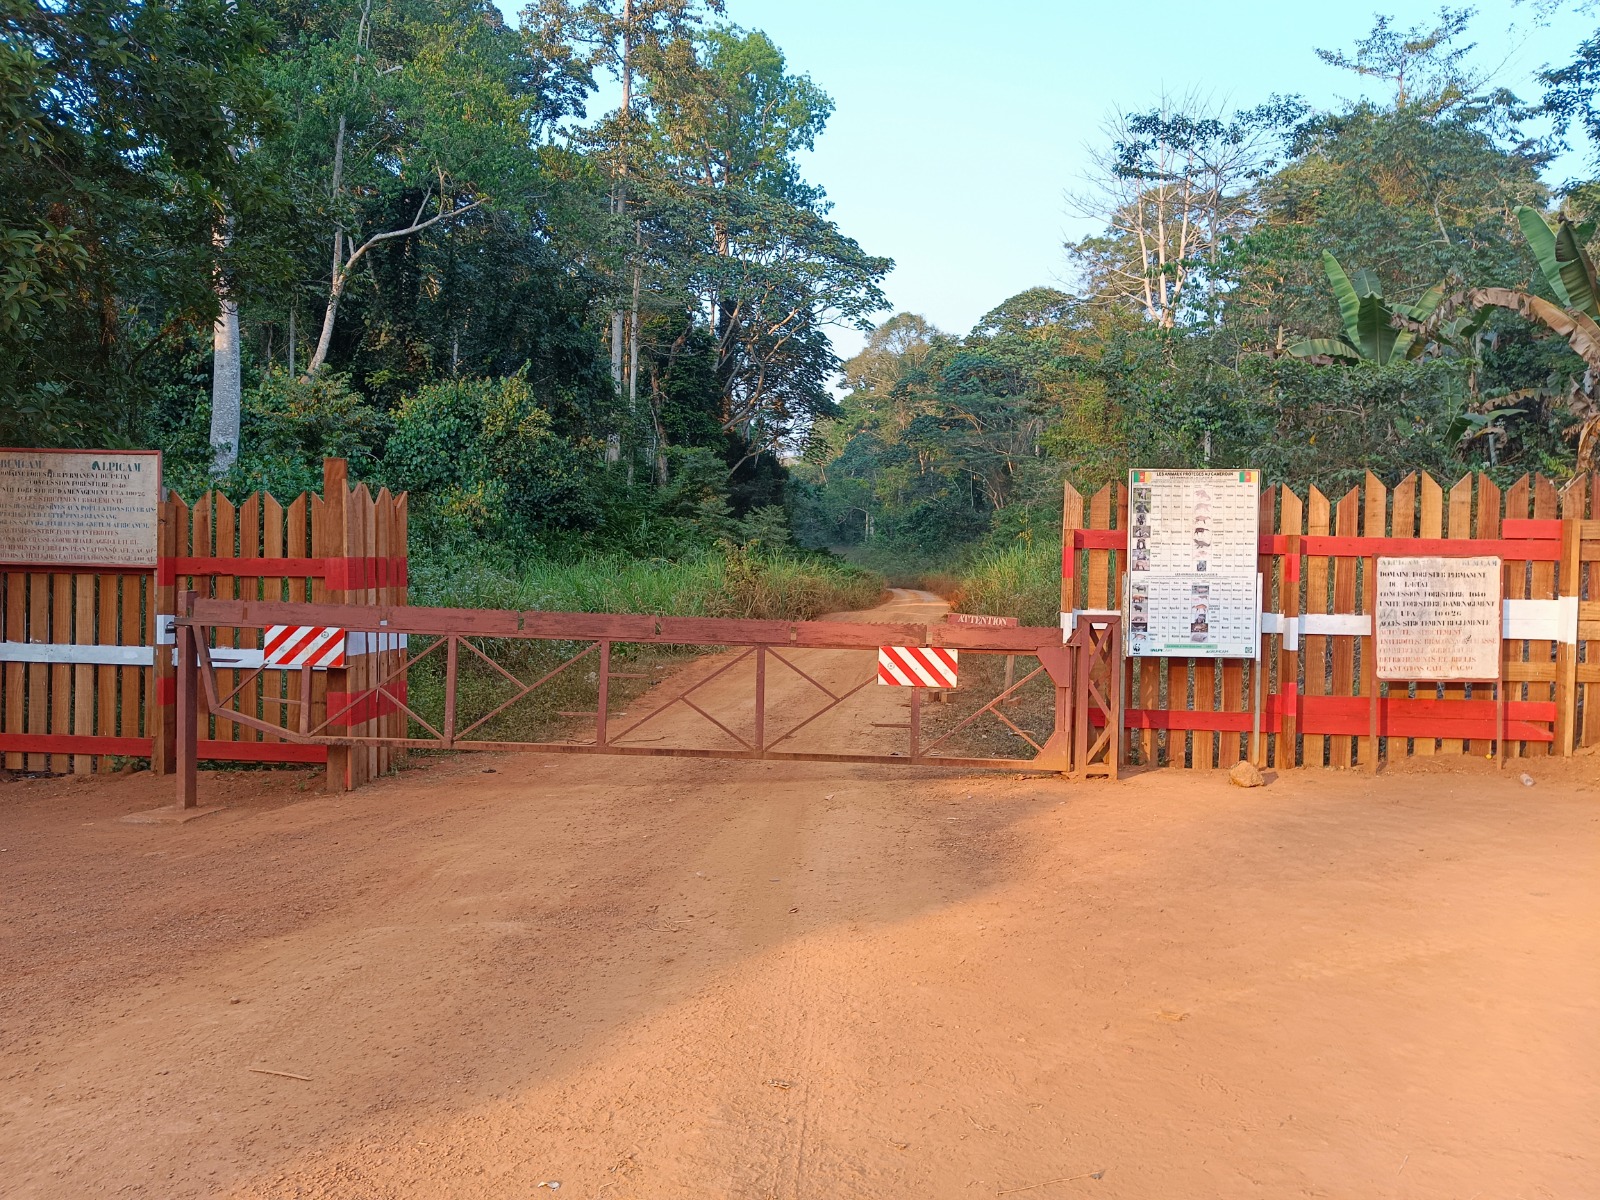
[303,646]
[917,666]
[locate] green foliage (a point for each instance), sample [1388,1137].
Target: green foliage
[483,460]
[1370,330]
[288,428]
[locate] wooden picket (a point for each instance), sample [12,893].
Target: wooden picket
[67,715]
[1317,697]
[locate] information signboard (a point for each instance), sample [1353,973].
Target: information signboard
[1438,619]
[1193,538]
[79,508]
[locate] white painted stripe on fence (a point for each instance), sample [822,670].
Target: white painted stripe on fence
[94,656]
[1336,624]
[1542,620]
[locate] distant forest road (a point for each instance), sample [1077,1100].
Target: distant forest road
[693,978]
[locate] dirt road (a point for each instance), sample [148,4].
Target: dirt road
[665,978]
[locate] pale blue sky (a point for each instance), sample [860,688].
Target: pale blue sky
[959,126]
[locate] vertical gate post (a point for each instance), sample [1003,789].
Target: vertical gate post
[161,722]
[187,732]
[761,699]
[335,545]
[603,699]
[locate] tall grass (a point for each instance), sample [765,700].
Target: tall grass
[1020,580]
[720,583]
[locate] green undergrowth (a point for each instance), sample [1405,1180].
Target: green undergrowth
[716,583]
[1020,580]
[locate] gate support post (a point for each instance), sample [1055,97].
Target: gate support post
[188,732]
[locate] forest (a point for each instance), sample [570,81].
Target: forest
[566,283]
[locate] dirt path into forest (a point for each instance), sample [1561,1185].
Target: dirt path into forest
[677,978]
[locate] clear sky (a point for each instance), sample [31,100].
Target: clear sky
[959,125]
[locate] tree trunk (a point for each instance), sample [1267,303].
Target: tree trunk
[225,385]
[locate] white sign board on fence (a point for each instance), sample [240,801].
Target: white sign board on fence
[79,508]
[1193,538]
[1438,619]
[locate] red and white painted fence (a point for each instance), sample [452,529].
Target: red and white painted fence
[86,664]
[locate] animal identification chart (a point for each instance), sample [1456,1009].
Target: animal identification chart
[1192,587]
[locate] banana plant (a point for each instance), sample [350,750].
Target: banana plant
[1372,329]
[1563,262]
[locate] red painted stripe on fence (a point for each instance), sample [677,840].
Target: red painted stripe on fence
[264,752]
[76,743]
[1101,539]
[166,690]
[1069,557]
[1528,548]
[1523,527]
[1365,547]
[344,573]
[140,747]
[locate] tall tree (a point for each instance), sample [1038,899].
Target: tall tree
[732,223]
[119,121]
[407,115]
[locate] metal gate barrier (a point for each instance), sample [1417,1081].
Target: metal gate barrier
[1084,671]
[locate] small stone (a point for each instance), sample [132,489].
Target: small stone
[1527,780]
[1246,774]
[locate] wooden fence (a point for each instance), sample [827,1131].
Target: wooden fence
[88,672]
[1317,662]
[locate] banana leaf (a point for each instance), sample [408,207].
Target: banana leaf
[1327,347]
[1577,272]
[1344,292]
[1542,241]
[1376,335]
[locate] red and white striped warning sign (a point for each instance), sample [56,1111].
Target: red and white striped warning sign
[303,646]
[917,666]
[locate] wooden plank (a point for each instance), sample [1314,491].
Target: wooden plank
[61,675]
[1374,524]
[132,691]
[225,587]
[1178,749]
[1403,524]
[1100,560]
[173,536]
[1460,526]
[1542,586]
[1590,735]
[304,519]
[1291,521]
[297,589]
[272,588]
[1347,521]
[249,700]
[331,540]
[1569,583]
[201,543]
[1489,527]
[105,693]
[83,693]
[1314,649]
[361,516]
[1430,524]
[16,630]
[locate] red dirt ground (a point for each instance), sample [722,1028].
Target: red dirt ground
[663,978]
